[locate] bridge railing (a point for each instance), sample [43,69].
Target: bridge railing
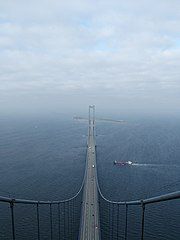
[32,219]
[61,218]
[112,212]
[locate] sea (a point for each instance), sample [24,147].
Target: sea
[43,158]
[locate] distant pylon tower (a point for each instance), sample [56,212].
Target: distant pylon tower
[92,118]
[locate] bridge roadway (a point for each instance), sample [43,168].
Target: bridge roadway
[90,229]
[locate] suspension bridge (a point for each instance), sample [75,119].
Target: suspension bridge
[86,216]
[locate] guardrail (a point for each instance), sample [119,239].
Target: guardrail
[68,214]
[142,203]
[67,211]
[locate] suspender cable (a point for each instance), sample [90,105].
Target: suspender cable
[59,221]
[68,218]
[126,223]
[50,208]
[112,234]
[64,209]
[109,216]
[37,213]
[142,220]
[12,219]
[118,221]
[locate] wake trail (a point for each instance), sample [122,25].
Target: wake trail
[154,165]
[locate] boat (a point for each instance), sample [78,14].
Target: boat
[120,163]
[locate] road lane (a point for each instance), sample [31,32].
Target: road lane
[90,210]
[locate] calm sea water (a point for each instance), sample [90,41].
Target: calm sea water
[45,160]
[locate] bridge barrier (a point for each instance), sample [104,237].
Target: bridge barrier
[29,219]
[115,217]
[32,219]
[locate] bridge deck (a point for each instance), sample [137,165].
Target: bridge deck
[90,210]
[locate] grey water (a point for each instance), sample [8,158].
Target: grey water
[41,159]
[153,146]
[44,159]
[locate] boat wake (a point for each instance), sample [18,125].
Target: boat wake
[154,165]
[129,163]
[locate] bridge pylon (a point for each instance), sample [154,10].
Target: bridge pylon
[91,119]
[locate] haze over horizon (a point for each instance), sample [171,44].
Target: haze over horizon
[61,56]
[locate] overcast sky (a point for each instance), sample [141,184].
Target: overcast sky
[58,54]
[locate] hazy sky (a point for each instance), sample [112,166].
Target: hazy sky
[58,54]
